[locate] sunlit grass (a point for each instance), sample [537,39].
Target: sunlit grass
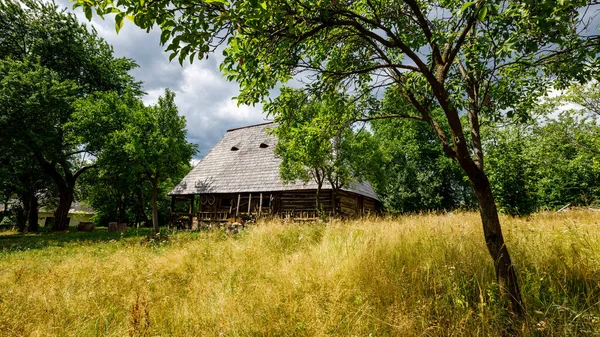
[410,276]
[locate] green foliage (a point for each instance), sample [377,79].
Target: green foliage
[139,144]
[566,172]
[415,173]
[48,59]
[486,59]
[511,169]
[315,142]
[540,165]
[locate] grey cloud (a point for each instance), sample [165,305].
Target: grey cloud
[203,95]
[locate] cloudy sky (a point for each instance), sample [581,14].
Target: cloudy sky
[203,95]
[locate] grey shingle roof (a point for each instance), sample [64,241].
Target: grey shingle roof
[249,169]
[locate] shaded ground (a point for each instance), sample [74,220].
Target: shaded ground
[14,241]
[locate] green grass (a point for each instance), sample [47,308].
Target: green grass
[427,275]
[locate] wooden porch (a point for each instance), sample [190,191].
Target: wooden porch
[191,211]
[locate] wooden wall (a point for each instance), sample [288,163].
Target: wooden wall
[297,204]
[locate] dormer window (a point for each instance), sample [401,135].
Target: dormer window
[263,146]
[233,148]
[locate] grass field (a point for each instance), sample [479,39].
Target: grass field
[426,275]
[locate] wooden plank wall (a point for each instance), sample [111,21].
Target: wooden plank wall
[348,203]
[301,204]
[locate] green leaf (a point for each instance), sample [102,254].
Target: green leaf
[483,13]
[119,21]
[164,36]
[88,12]
[466,6]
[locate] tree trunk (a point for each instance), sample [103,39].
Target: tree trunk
[65,199]
[154,205]
[22,218]
[492,231]
[33,214]
[334,205]
[318,200]
[141,215]
[121,210]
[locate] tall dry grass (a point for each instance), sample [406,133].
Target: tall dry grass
[425,275]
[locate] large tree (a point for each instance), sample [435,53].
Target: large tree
[42,48]
[312,147]
[140,144]
[415,174]
[482,59]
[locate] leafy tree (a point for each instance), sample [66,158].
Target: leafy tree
[313,146]
[140,144]
[416,174]
[482,59]
[33,100]
[566,172]
[511,168]
[156,142]
[583,120]
[47,52]
[96,122]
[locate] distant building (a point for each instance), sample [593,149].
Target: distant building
[240,177]
[77,213]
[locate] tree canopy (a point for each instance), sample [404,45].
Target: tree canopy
[49,60]
[139,144]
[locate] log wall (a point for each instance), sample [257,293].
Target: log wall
[295,204]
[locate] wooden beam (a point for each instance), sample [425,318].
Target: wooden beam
[260,205]
[216,207]
[237,208]
[249,202]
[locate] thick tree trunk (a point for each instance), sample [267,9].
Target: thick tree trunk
[65,199]
[33,214]
[22,218]
[154,205]
[492,231]
[66,188]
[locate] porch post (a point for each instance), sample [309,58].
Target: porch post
[249,202]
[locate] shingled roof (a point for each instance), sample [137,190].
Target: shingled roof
[253,167]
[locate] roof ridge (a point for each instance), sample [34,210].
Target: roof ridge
[251,126]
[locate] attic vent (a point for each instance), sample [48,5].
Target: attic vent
[263,146]
[233,148]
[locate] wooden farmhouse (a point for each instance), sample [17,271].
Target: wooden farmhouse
[239,178]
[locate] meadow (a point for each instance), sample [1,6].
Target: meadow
[421,275]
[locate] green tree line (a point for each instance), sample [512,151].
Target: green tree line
[71,113]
